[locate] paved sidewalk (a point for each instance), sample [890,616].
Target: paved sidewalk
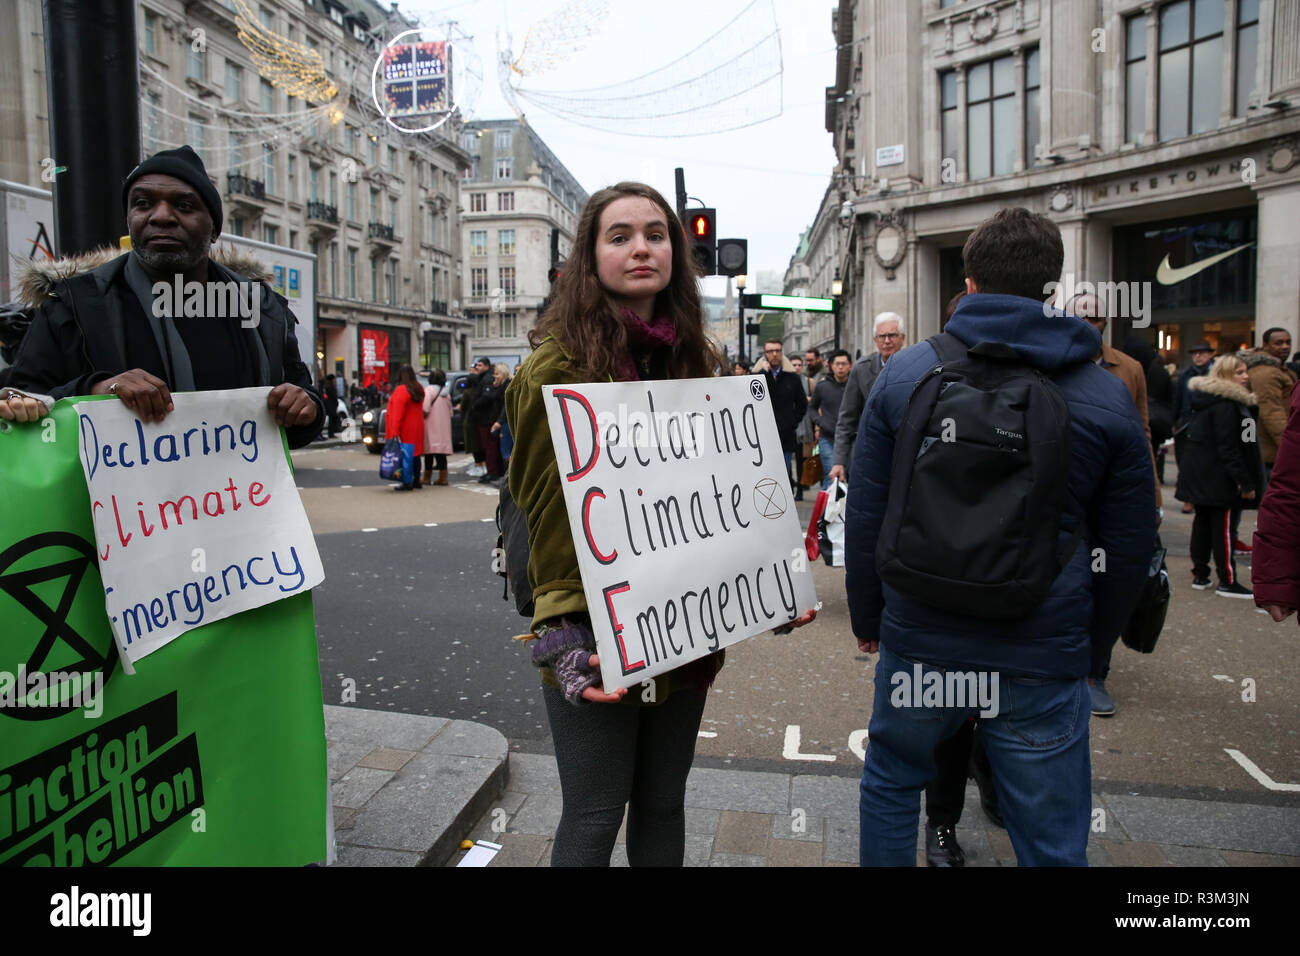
[743,818]
[405,788]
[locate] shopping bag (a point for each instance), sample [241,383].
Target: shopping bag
[810,541]
[1148,617]
[813,472]
[830,529]
[390,462]
[408,463]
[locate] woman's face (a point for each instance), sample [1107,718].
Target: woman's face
[634,253]
[498,378]
[1242,377]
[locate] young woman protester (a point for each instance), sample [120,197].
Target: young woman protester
[627,308]
[405,422]
[1219,468]
[437,427]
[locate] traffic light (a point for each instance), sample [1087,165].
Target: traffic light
[733,257]
[701,227]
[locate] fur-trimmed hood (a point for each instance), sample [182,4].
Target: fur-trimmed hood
[1222,388]
[37,278]
[1255,357]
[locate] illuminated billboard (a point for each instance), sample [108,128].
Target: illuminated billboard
[416,79]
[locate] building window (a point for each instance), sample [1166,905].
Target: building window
[292,189]
[948,112]
[1135,78]
[374,205]
[234,82]
[505,167]
[352,273]
[270,234]
[480,325]
[478,202]
[991,118]
[1191,59]
[151,33]
[352,201]
[469,142]
[505,202]
[478,242]
[293,238]
[196,133]
[392,213]
[153,120]
[268,167]
[478,284]
[509,325]
[374,150]
[334,188]
[374,280]
[313,183]
[392,159]
[391,280]
[470,172]
[334,268]
[505,242]
[237,151]
[503,140]
[194,63]
[507,276]
[1033,82]
[1247,54]
[266,96]
[267,18]
[237,226]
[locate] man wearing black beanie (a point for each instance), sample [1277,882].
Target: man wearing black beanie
[118,328]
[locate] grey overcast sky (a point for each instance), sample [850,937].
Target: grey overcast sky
[766,181]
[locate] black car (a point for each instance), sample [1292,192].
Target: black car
[372,421]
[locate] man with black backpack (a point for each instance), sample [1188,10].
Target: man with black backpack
[1001,518]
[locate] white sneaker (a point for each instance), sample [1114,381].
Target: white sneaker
[476,471]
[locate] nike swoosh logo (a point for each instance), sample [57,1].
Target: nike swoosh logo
[1169,275]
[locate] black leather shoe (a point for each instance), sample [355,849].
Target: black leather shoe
[942,848]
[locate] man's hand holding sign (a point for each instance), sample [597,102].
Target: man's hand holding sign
[680,513]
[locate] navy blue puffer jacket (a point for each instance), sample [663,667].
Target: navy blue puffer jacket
[1109,482]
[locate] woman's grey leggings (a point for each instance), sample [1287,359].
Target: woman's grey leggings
[612,754]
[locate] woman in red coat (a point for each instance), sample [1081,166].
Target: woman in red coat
[405,422]
[1275,562]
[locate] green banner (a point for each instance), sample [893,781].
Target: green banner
[212,753]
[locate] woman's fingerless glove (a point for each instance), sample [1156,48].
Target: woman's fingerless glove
[567,650]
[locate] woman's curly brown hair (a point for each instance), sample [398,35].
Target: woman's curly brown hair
[584,320]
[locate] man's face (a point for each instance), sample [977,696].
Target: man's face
[1279,346]
[1202,358]
[811,361]
[772,352]
[889,339]
[480,366]
[840,368]
[171,230]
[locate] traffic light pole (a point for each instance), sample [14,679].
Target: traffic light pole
[94,104]
[740,354]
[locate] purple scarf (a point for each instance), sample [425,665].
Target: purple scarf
[642,338]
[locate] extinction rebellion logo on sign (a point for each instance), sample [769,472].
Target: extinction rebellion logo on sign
[97,796]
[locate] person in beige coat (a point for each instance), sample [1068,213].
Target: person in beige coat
[437,426]
[1272,382]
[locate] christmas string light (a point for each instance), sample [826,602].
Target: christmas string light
[293,67]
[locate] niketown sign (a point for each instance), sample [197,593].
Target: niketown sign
[1169,183]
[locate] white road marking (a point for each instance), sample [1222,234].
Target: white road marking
[1260,776]
[791,749]
[431,524]
[1223,677]
[489,490]
[345,486]
[707,733]
[487,519]
[369,529]
[858,743]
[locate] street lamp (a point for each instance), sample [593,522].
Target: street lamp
[740,298]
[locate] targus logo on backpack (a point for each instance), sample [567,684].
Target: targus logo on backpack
[1006,434]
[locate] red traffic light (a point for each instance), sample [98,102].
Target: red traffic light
[701,225]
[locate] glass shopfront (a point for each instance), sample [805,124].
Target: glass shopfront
[1201,275]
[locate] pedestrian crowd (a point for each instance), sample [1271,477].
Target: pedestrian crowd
[986,466]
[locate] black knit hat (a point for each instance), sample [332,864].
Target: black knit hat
[185,165]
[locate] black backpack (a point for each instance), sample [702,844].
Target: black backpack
[978,485]
[512,551]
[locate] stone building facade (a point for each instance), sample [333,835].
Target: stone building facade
[519,208]
[1157,135]
[378,208]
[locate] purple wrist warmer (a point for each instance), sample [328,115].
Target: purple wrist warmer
[567,651]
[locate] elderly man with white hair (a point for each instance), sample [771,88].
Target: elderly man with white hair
[889,338]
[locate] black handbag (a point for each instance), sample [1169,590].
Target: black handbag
[1148,617]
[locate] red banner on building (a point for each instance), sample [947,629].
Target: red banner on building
[374,357]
